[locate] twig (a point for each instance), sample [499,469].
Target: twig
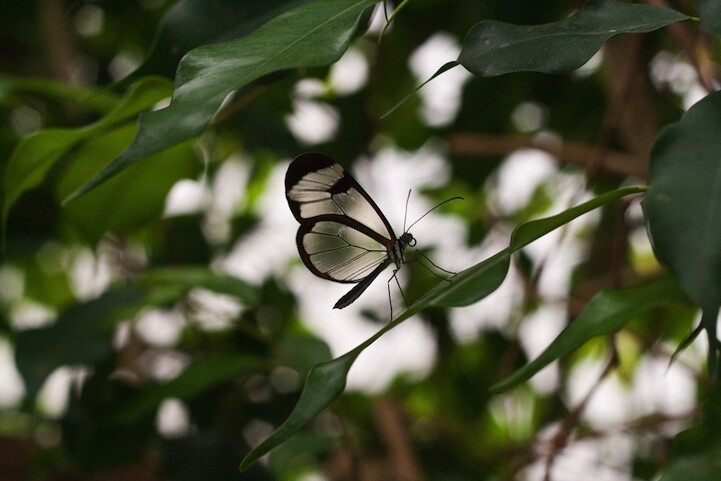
[470,144]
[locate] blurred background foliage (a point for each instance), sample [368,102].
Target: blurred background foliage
[136,343]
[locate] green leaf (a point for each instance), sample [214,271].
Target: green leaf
[606,313]
[444,68]
[192,23]
[326,381]
[705,466]
[683,203]
[293,455]
[527,232]
[710,13]
[683,208]
[188,277]
[101,101]
[302,351]
[468,286]
[311,35]
[201,375]
[33,157]
[131,200]
[82,334]
[495,48]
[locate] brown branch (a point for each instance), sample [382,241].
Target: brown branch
[470,144]
[58,39]
[392,427]
[630,115]
[560,440]
[688,42]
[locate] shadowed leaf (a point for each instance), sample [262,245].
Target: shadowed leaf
[605,314]
[311,35]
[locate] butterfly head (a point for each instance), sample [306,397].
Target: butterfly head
[407,239]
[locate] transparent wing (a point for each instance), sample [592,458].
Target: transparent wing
[339,252]
[317,186]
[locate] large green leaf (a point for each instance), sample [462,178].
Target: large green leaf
[495,48]
[683,206]
[605,314]
[201,375]
[326,381]
[130,200]
[33,157]
[710,13]
[176,279]
[705,466]
[82,335]
[100,100]
[311,35]
[192,23]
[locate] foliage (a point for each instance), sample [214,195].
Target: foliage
[114,223]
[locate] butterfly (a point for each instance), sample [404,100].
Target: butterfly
[343,235]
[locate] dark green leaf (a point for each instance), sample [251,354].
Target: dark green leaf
[192,23]
[302,352]
[101,101]
[710,13]
[683,208]
[699,467]
[131,200]
[468,286]
[683,203]
[190,277]
[605,314]
[324,384]
[495,48]
[296,451]
[527,232]
[82,334]
[201,375]
[310,35]
[33,157]
[444,68]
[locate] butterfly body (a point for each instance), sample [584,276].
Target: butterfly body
[343,235]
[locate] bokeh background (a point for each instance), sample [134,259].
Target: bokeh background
[208,320]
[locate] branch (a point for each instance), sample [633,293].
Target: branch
[469,144]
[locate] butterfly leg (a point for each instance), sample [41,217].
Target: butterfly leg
[395,277]
[390,301]
[411,259]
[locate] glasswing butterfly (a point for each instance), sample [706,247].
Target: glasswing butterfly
[343,235]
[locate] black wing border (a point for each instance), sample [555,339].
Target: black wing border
[307,227]
[313,162]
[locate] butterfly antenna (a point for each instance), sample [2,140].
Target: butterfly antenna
[431,210]
[405,214]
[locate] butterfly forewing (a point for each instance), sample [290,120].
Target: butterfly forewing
[316,185]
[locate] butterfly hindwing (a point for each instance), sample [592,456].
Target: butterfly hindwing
[337,251]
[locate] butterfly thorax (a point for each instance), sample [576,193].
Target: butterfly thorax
[399,248]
